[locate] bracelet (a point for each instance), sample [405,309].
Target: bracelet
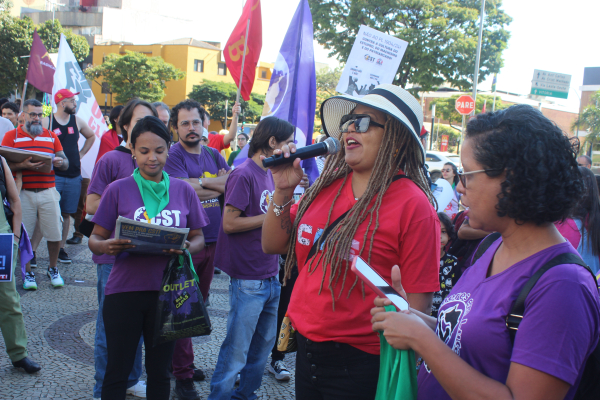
[278,209]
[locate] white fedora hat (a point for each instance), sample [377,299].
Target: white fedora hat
[389,99]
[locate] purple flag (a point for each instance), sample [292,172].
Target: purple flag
[40,72]
[25,251]
[292,93]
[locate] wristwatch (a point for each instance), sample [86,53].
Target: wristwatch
[200,182]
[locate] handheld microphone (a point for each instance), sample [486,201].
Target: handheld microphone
[326,147]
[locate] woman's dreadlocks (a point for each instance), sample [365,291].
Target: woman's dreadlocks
[398,151]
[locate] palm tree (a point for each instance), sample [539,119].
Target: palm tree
[590,118]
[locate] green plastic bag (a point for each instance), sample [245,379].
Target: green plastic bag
[397,372]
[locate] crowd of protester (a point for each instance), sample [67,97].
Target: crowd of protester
[522,201]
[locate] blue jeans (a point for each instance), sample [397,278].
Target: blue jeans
[69,190]
[251,334]
[100,352]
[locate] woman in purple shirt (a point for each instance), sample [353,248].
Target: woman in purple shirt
[520,176]
[131,292]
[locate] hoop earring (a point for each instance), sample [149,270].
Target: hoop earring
[132,157]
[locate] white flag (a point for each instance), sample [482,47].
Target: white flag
[68,75]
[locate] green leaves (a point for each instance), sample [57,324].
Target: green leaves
[135,75]
[442,36]
[212,95]
[590,119]
[16,36]
[444,107]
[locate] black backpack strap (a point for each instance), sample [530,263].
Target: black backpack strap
[214,157]
[317,244]
[518,309]
[484,245]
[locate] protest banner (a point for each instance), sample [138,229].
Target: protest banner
[374,59]
[6,257]
[68,75]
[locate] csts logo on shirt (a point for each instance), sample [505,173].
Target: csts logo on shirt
[164,218]
[57,131]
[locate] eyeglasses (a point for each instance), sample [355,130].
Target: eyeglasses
[35,115]
[361,122]
[241,139]
[186,124]
[462,175]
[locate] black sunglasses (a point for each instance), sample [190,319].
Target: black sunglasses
[361,123]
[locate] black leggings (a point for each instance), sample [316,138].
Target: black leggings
[284,302]
[126,317]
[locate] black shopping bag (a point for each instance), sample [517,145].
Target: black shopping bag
[180,312]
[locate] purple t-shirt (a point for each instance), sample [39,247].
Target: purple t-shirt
[182,164]
[112,166]
[558,332]
[134,273]
[249,188]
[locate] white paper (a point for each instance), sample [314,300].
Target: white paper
[374,59]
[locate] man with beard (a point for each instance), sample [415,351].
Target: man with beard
[206,171]
[69,183]
[39,198]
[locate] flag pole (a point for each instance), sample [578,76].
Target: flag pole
[23,94]
[237,97]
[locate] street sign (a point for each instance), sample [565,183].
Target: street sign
[552,84]
[465,105]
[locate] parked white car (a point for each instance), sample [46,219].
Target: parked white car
[435,160]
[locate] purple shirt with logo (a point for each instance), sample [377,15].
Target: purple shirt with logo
[112,166]
[249,188]
[182,164]
[559,330]
[133,273]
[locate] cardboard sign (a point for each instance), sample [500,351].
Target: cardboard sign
[6,257]
[374,59]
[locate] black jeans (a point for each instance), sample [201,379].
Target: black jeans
[284,301]
[334,371]
[126,317]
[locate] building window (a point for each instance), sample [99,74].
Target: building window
[222,69]
[263,74]
[199,65]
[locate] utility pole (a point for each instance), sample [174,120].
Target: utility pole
[476,74]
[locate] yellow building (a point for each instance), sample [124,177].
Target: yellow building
[199,60]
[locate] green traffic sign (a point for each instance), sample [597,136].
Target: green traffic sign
[549,93]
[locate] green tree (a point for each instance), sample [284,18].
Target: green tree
[15,42]
[213,95]
[135,75]
[445,107]
[327,80]
[441,36]
[50,35]
[5,5]
[590,119]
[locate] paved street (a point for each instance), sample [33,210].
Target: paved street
[61,326]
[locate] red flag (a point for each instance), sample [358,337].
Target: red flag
[40,72]
[483,109]
[234,48]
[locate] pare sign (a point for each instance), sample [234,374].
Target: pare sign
[465,105]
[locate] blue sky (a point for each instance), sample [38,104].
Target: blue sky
[558,36]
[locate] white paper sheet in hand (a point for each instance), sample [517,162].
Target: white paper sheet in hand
[374,59]
[443,194]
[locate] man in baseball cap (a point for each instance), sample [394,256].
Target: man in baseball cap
[69,183]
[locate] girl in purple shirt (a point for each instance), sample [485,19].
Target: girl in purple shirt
[131,293]
[520,176]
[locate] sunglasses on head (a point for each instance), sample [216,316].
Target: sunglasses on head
[361,123]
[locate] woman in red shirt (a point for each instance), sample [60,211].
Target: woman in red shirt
[389,221]
[111,139]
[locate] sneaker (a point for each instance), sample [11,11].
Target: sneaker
[33,262]
[138,390]
[63,257]
[55,278]
[74,240]
[185,390]
[29,282]
[280,371]
[198,374]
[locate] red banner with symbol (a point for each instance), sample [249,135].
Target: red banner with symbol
[234,48]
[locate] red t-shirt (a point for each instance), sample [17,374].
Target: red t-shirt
[108,142]
[408,236]
[47,142]
[217,142]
